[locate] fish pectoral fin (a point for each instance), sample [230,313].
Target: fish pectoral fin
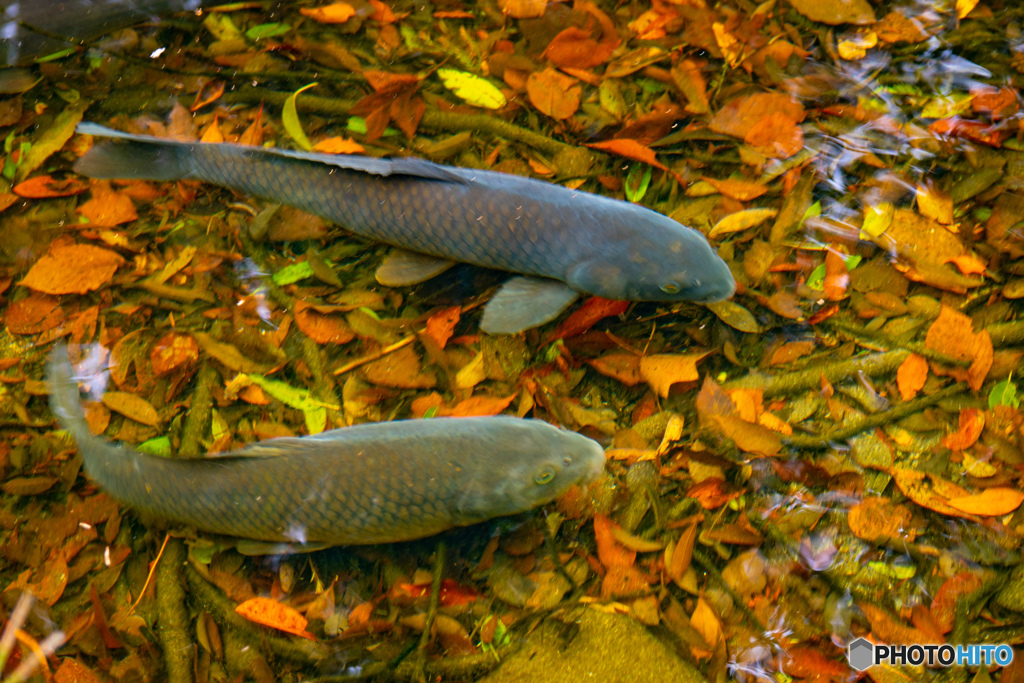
[246,546]
[403,268]
[525,302]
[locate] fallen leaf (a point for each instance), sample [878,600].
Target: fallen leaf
[480,405]
[741,114]
[911,376]
[835,12]
[553,93]
[337,145]
[875,519]
[993,502]
[34,314]
[661,371]
[972,422]
[274,614]
[943,607]
[952,334]
[594,309]
[172,352]
[441,325]
[631,149]
[609,551]
[323,324]
[132,406]
[776,135]
[44,186]
[335,13]
[108,208]
[523,9]
[624,367]
[72,269]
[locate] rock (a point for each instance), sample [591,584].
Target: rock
[607,647]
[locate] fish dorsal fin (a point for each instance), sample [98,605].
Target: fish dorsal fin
[408,166]
[402,268]
[525,302]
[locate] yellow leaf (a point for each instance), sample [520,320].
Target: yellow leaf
[661,371]
[290,119]
[473,89]
[878,218]
[991,502]
[741,220]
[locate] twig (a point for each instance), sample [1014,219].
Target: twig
[223,611]
[872,365]
[149,577]
[897,412]
[916,347]
[173,627]
[348,367]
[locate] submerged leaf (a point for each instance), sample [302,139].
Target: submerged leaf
[472,88]
[290,118]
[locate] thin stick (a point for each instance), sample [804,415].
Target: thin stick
[374,356]
[152,571]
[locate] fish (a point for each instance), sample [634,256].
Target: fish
[31,29]
[561,242]
[359,485]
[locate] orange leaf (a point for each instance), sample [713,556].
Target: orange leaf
[790,351]
[338,145]
[523,9]
[275,615]
[969,264]
[624,367]
[108,208]
[382,13]
[742,190]
[335,13]
[441,325]
[631,149]
[952,334]
[72,269]
[776,135]
[911,376]
[740,115]
[34,314]
[44,186]
[173,351]
[553,93]
[837,276]
[593,309]
[661,371]
[322,324]
[481,405]
[972,421]
[991,502]
[609,551]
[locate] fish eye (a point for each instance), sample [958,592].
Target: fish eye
[567,461]
[671,288]
[545,476]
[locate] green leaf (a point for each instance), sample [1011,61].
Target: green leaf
[300,399]
[263,31]
[816,280]
[637,181]
[357,125]
[1004,394]
[291,274]
[290,119]
[160,445]
[472,88]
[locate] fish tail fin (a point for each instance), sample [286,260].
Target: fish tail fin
[141,159]
[64,400]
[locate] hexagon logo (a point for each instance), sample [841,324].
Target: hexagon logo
[861,654]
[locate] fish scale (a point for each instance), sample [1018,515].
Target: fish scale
[430,216]
[374,483]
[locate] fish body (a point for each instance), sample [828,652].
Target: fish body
[567,241]
[374,483]
[30,29]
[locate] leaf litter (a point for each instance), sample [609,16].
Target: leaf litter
[855,401]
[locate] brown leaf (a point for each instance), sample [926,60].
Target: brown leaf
[553,93]
[835,12]
[173,351]
[324,325]
[875,519]
[594,309]
[132,406]
[624,367]
[34,314]
[335,13]
[277,615]
[72,269]
[401,370]
[631,149]
[776,135]
[740,115]
[44,186]
[480,405]
[523,9]
[609,551]
[944,604]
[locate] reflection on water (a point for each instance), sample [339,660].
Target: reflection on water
[831,455]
